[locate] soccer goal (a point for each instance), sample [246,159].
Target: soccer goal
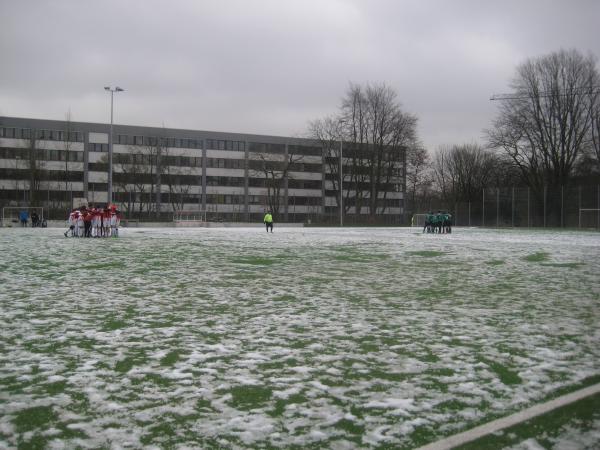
[589,218]
[189,218]
[418,220]
[11,215]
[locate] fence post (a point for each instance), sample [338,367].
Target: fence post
[545,206]
[483,210]
[512,208]
[528,213]
[497,207]
[562,203]
[469,213]
[579,203]
[456,214]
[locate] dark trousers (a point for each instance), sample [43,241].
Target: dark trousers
[269,225]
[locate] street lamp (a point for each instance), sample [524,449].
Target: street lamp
[110,140]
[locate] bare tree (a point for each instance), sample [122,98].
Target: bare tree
[462,171]
[133,177]
[546,125]
[418,177]
[274,169]
[178,181]
[66,137]
[594,104]
[376,133]
[328,133]
[34,163]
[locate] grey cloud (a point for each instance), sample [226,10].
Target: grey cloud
[269,66]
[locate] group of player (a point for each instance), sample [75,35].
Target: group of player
[440,222]
[94,222]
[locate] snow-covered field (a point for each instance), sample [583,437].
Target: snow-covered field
[337,338]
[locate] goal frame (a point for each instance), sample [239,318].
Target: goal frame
[596,210]
[189,218]
[7,220]
[418,220]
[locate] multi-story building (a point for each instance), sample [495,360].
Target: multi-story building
[156,171]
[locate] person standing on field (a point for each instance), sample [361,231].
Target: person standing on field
[268,221]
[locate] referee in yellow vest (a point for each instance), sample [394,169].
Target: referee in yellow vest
[268,220]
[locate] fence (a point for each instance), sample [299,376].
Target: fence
[557,207]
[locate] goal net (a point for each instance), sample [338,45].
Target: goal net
[418,220]
[189,218]
[12,216]
[589,218]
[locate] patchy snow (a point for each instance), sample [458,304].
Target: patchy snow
[339,338]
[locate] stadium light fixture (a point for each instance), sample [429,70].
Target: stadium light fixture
[110,141]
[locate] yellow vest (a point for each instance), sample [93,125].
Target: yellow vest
[268,218]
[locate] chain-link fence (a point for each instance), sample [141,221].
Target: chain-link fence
[550,207]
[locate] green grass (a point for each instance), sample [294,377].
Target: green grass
[426,253]
[537,257]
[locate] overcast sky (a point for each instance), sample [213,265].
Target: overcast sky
[271,66]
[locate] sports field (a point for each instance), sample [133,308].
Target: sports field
[329,338]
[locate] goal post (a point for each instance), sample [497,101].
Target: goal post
[11,215]
[189,218]
[418,220]
[589,218]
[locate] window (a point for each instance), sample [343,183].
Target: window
[150,141]
[122,139]
[305,150]
[98,147]
[138,140]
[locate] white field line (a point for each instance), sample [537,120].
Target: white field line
[509,421]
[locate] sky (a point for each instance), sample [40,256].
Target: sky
[272,66]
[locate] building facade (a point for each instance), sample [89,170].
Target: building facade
[158,171]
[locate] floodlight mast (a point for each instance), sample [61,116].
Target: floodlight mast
[110,142]
[341,123]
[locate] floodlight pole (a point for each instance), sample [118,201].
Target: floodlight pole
[110,142]
[341,122]
[341,187]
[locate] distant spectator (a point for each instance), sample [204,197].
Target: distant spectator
[24,217]
[268,221]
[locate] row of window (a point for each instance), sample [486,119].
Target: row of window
[304,184]
[225,181]
[130,198]
[154,141]
[45,195]
[93,147]
[260,147]
[40,154]
[41,175]
[142,159]
[304,150]
[223,163]
[235,146]
[46,135]
[261,166]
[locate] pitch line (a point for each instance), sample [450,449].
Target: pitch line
[514,419]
